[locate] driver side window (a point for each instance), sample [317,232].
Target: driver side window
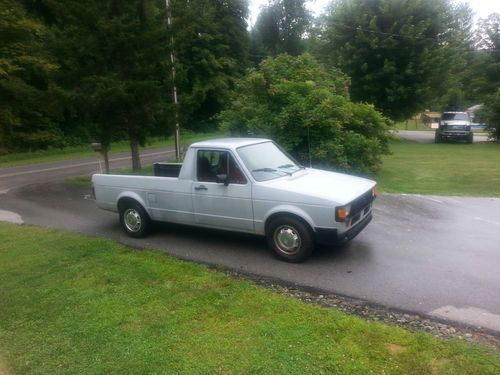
[211,163]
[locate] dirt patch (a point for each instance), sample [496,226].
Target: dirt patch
[4,369]
[394,348]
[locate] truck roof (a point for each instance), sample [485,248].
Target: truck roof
[231,143]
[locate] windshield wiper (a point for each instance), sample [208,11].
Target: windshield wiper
[290,166]
[272,170]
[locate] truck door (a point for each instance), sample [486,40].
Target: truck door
[217,204]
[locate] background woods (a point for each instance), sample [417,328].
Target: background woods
[73,72]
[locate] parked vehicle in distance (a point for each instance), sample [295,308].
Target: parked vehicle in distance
[245,185]
[454,126]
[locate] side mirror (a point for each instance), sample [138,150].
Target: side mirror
[222,178]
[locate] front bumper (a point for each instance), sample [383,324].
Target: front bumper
[326,236]
[454,135]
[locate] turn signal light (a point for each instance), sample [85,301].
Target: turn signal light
[375,192]
[341,214]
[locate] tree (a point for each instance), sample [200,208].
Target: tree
[489,33]
[211,47]
[28,113]
[398,53]
[488,44]
[460,49]
[305,107]
[488,36]
[281,27]
[113,63]
[490,114]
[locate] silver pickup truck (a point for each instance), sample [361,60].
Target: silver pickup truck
[245,185]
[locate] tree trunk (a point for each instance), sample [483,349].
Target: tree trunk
[136,160]
[105,155]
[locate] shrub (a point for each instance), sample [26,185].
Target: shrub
[306,109]
[490,114]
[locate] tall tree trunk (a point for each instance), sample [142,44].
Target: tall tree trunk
[136,160]
[105,155]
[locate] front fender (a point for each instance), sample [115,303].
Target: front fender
[285,210]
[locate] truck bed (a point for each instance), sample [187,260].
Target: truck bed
[167,169]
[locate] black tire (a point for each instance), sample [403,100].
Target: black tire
[290,239]
[134,219]
[437,138]
[470,138]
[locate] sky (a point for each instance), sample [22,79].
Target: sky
[482,8]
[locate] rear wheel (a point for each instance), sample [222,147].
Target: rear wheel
[134,219]
[290,239]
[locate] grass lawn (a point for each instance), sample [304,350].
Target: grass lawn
[441,169]
[43,156]
[70,304]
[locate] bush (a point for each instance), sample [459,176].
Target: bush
[301,105]
[490,114]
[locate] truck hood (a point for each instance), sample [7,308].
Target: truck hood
[338,188]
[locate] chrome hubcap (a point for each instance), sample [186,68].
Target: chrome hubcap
[287,239]
[132,220]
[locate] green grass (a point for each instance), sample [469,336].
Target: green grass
[70,304]
[55,154]
[442,169]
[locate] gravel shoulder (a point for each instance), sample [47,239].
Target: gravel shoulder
[414,322]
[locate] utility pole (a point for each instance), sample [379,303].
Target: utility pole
[174,87]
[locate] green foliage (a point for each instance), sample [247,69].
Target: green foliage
[486,71]
[398,53]
[458,94]
[280,28]
[28,113]
[211,51]
[301,105]
[113,67]
[490,114]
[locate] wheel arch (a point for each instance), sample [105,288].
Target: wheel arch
[289,212]
[130,197]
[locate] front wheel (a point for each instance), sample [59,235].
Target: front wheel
[134,220]
[437,138]
[290,239]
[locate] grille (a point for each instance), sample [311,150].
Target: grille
[358,204]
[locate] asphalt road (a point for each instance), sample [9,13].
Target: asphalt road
[14,177]
[438,256]
[427,136]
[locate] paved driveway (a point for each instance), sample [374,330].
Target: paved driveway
[438,256]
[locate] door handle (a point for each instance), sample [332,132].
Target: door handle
[201,187]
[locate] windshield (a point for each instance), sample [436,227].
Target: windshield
[455,116]
[266,161]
